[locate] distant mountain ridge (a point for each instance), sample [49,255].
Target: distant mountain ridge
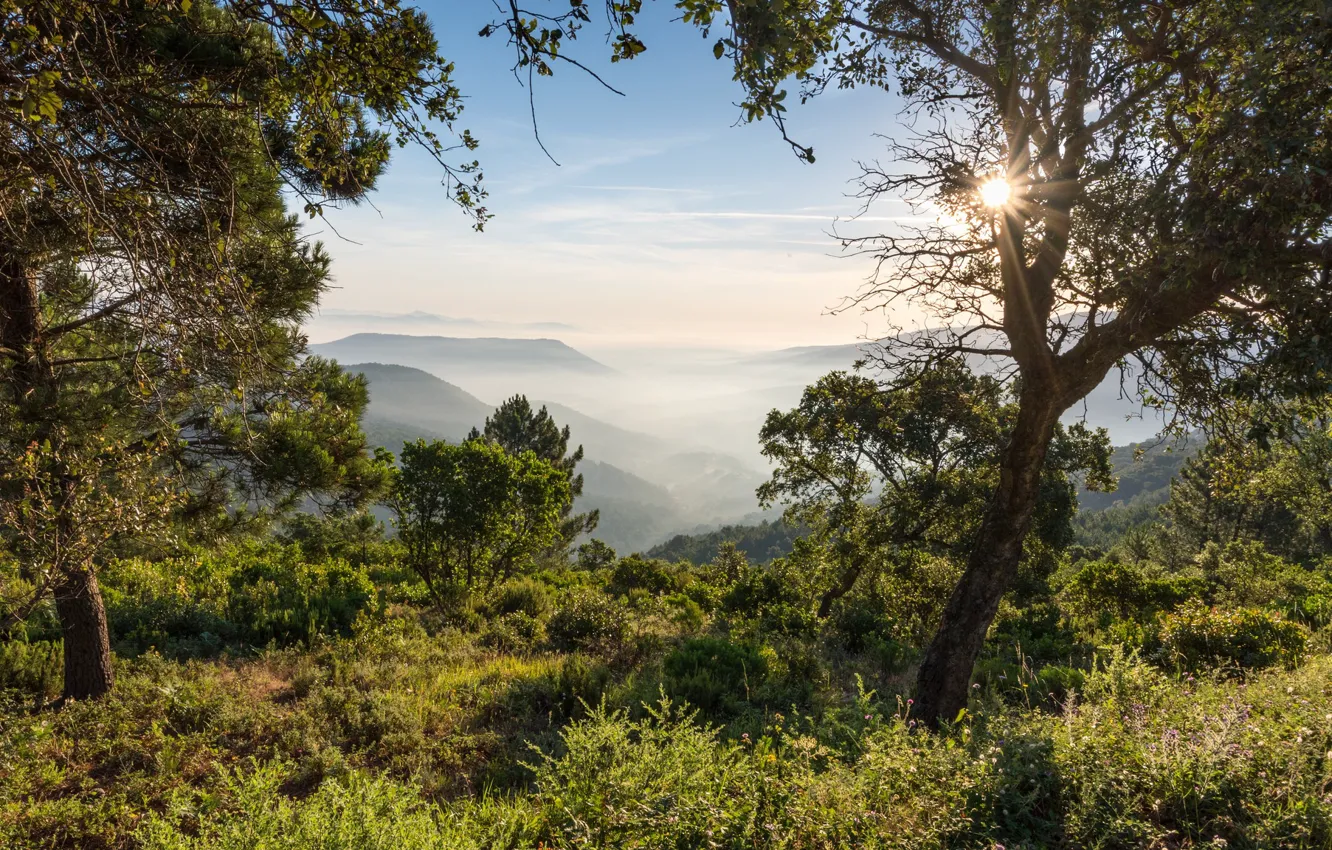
[461,354]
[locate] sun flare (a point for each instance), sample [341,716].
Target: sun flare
[995,192]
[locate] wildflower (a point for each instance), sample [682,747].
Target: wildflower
[867,717]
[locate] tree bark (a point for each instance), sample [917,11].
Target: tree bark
[944,679]
[88,672]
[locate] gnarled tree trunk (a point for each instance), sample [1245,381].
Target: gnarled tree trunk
[944,678]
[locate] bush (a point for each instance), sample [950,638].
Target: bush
[1196,637]
[685,612]
[714,674]
[286,600]
[859,622]
[359,811]
[638,573]
[515,632]
[773,602]
[526,595]
[1102,592]
[33,668]
[588,619]
[253,595]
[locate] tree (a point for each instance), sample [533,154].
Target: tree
[1268,481]
[151,281]
[517,429]
[883,475]
[1116,184]
[471,515]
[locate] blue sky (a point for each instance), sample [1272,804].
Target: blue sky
[665,223]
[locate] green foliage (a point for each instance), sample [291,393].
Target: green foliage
[638,573]
[248,595]
[471,515]
[1102,592]
[515,632]
[31,668]
[149,251]
[588,619]
[358,811]
[526,595]
[1196,637]
[595,555]
[770,596]
[885,474]
[516,428]
[357,537]
[714,674]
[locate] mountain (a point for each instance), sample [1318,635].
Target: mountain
[406,400]
[1144,471]
[458,355]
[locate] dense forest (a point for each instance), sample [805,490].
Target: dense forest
[252,597]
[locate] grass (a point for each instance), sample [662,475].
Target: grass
[554,715]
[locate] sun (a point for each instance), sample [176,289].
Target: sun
[995,192]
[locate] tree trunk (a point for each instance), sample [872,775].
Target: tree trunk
[944,679]
[34,388]
[82,613]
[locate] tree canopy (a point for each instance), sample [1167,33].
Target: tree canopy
[517,428]
[883,475]
[471,515]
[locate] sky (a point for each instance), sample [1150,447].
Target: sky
[666,222]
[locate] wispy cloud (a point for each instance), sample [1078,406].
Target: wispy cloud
[663,189]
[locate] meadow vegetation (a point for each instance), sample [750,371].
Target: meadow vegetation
[311,694]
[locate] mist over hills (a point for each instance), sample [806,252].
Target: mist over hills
[646,488]
[673,432]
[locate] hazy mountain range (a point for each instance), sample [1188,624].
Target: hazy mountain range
[671,435]
[646,488]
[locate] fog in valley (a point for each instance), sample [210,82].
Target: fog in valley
[670,432]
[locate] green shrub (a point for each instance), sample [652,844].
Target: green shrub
[516,632]
[35,668]
[685,612]
[1103,592]
[771,601]
[858,622]
[286,599]
[714,674]
[638,573]
[1057,682]
[660,782]
[359,811]
[526,595]
[1196,636]
[254,595]
[588,619]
